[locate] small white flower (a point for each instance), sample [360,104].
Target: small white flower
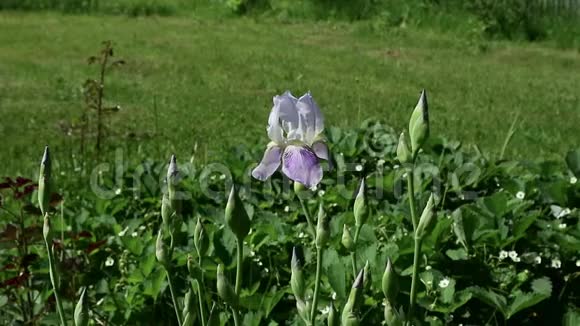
[266,270]
[109,262]
[513,255]
[222,176]
[517,259]
[503,254]
[325,310]
[122,233]
[286,209]
[396,166]
[562,225]
[302,235]
[358,168]
[135,234]
[118,191]
[428,267]
[538,260]
[142,228]
[333,296]
[521,195]
[578,263]
[260,263]
[380,162]
[252,253]
[556,263]
[573,180]
[321,193]
[444,283]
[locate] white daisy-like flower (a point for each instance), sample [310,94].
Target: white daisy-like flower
[556,263]
[578,263]
[358,167]
[286,209]
[135,234]
[266,270]
[122,233]
[321,193]
[520,195]
[503,254]
[109,262]
[142,228]
[252,253]
[562,225]
[444,283]
[538,260]
[260,263]
[428,267]
[573,180]
[513,255]
[302,235]
[118,191]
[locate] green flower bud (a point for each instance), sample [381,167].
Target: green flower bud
[46,230]
[392,317]
[390,283]
[300,190]
[426,218]
[419,124]
[224,289]
[162,253]
[296,277]
[322,228]
[367,276]
[200,238]
[332,319]
[188,304]
[166,210]
[81,314]
[236,215]
[403,152]
[347,240]
[304,308]
[361,211]
[44,182]
[352,305]
[173,179]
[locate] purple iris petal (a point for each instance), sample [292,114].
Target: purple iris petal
[301,164]
[321,150]
[269,165]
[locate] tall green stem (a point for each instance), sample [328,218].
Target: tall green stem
[417,250]
[319,252]
[414,281]
[239,266]
[353,253]
[236,316]
[201,310]
[53,280]
[308,218]
[175,306]
[411,190]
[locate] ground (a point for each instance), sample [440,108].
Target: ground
[211,81]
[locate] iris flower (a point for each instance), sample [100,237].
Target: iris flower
[295,129]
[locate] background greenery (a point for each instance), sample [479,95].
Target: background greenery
[198,80]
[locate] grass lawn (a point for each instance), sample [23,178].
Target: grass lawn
[211,81]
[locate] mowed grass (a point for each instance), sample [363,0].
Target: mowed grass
[211,81]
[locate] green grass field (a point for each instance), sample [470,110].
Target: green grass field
[211,81]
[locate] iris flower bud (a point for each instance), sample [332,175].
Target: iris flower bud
[403,152]
[296,277]
[162,253]
[166,210]
[46,230]
[236,215]
[225,289]
[352,305]
[367,276]
[347,240]
[426,218]
[390,283]
[303,308]
[173,179]
[419,124]
[322,228]
[200,238]
[44,182]
[81,314]
[332,316]
[361,211]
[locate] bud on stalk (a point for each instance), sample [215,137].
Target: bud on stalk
[46,230]
[426,218]
[81,314]
[419,124]
[361,211]
[236,215]
[390,284]
[200,238]
[352,305]
[322,227]
[225,290]
[162,252]
[403,153]
[296,277]
[44,182]
[347,240]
